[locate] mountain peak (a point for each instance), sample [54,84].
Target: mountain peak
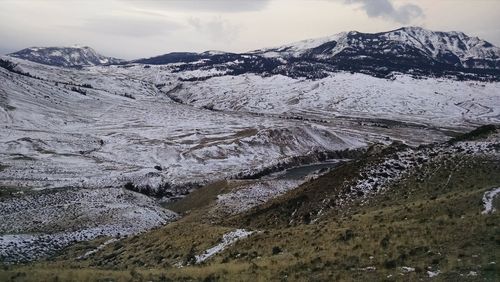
[73,56]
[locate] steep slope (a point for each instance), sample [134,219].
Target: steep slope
[64,56]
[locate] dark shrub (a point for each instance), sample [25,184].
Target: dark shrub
[276,250]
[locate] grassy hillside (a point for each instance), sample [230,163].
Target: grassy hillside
[425,225]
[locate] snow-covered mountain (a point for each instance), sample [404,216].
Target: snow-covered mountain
[410,50]
[65,56]
[454,48]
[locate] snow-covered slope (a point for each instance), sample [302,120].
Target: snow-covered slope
[109,125]
[40,223]
[64,56]
[121,128]
[431,101]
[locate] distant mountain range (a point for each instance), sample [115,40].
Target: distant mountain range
[410,50]
[65,56]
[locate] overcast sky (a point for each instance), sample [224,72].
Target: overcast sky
[132,29]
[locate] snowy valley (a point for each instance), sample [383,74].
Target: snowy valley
[93,146]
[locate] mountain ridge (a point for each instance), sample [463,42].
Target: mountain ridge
[74,56]
[409,50]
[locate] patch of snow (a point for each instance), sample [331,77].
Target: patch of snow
[432,274]
[368,268]
[407,269]
[227,240]
[253,195]
[100,247]
[472,273]
[488,198]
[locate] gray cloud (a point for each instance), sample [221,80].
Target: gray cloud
[385,9]
[225,6]
[129,26]
[216,29]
